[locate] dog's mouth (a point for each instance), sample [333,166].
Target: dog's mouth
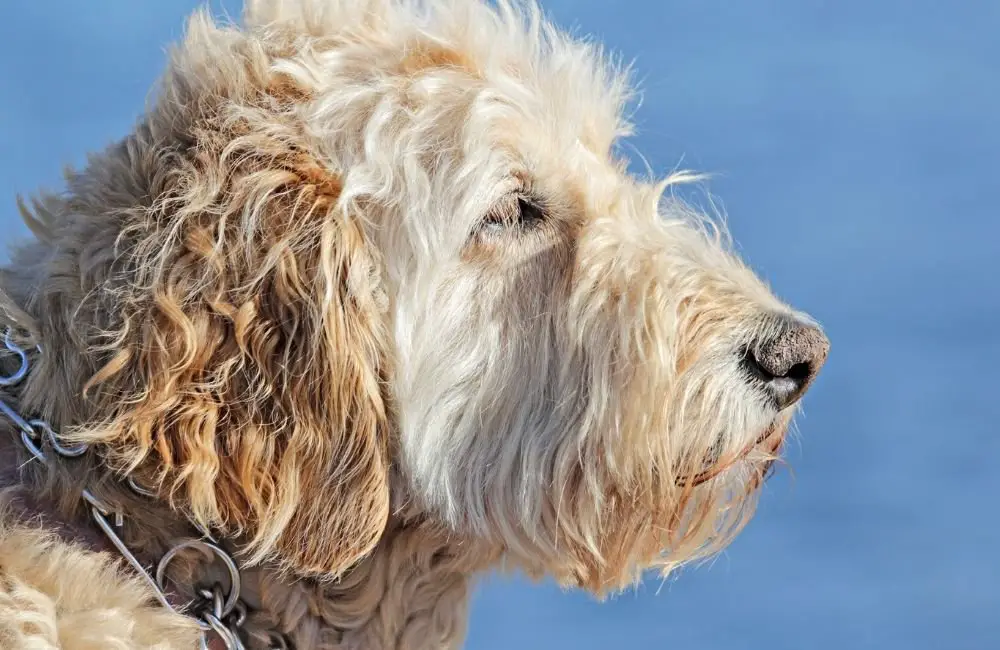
[765,447]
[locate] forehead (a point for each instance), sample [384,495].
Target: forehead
[555,104]
[495,75]
[566,90]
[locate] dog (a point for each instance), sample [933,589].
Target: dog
[367,304]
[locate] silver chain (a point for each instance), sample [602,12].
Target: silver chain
[218,610]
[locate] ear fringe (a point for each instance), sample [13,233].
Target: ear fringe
[243,372]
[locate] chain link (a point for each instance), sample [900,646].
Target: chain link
[218,610]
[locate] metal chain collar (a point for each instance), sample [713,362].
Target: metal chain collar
[218,611]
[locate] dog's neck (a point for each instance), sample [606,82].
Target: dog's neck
[410,593]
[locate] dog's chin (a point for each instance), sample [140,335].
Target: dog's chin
[715,503]
[703,513]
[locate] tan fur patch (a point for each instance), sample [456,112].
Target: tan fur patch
[423,56]
[251,383]
[287,89]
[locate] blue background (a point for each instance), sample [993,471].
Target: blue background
[856,146]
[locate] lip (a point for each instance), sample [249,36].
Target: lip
[770,440]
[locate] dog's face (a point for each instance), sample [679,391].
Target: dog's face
[365,235]
[577,366]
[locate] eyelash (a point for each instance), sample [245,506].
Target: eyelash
[527,214]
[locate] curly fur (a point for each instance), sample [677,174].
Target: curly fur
[301,303]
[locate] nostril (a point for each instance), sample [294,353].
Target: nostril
[799,372]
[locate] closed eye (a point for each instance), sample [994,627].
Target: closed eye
[514,213]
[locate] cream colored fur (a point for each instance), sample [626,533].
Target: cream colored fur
[370,292]
[55,595]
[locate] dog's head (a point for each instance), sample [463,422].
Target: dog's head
[357,235]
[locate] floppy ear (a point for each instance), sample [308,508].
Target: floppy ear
[244,374]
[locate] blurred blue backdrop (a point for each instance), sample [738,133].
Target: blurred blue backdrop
[856,147]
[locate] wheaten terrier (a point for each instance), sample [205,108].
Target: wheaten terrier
[366,305]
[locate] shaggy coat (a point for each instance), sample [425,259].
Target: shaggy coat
[369,293]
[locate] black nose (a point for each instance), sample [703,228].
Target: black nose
[788,362]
